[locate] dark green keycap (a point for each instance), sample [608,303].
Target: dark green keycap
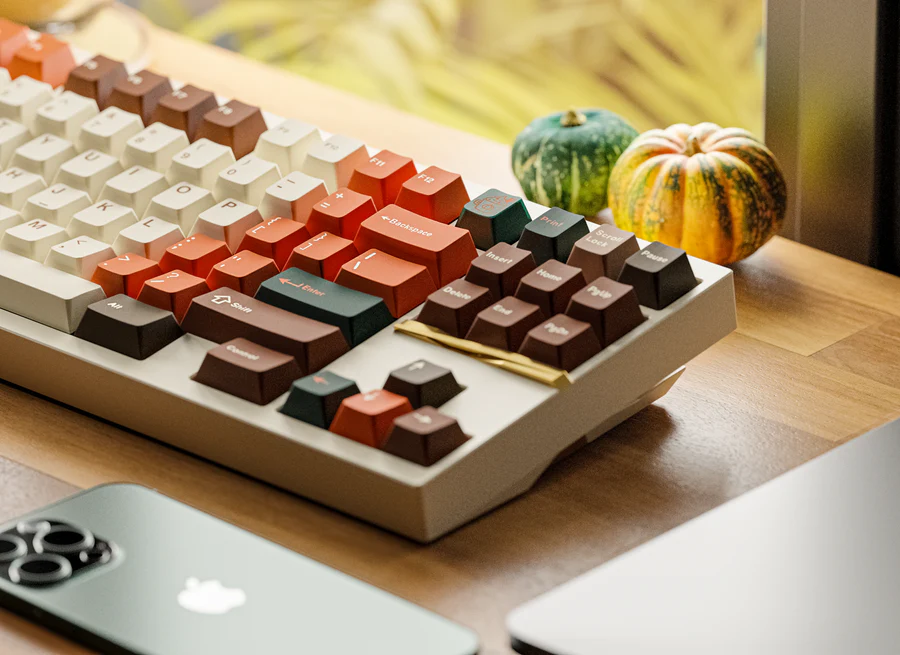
[357,314]
[315,399]
[494,217]
[553,234]
[423,383]
[129,327]
[660,275]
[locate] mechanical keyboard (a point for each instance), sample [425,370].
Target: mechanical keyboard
[386,338]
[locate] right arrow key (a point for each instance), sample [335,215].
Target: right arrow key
[424,436]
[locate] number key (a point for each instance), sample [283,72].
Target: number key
[140,94]
[96,78]
[46,58]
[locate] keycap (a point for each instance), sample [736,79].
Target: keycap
[334,160]
[9,218]
[275,238]
[196,255]
[227,221]
[550,286]
[358,315]
[12,135]
[247,370]
[131,328]
[200,163]
[424,436]
[101,221]
[553,234]
[45,58]
[79,256]
[140,94]
[4,78]
[173,291]
[561,342]
[42,294]
[134,187]
[184,108]
[505,323]
[109,131]
[96,78]
[494,217]
[32,239]
[445,250]
[89,172]
[65,115]
[453,307]
[286,144]
[247,180]
[56,204]
[603,252]
[322,255]
[43,155]
[17,185]
[149,238]
[341,213]
[315,399]
[609,306]
[236,125]
[500,269]
[293,196]
[20,99]
[423,383]
[224,314]
[434,193]
[181,204]
[368,417]
[125,274]
[12,37]
[244,271]
[154,147]
[660,275]
[381,177]
[401,284]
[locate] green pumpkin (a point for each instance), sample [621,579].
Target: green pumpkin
[564,160]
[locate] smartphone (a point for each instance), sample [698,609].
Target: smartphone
[124,569]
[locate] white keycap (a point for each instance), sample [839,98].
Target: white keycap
[227,221]
[9,218]
[44,155]
[12,135]
[200,163]
[148,238]
[32,239]
[89,171]
[335,160]
[247,180]
[134,188]
[79,256]
[109,131]
[287,144]
[16,186]
[56,204]
[293,197]
[43,294]
[181,204]
[4,78]
[21,98]
[154,147]
[102,221]
[64,115]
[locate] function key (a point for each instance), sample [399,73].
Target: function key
[610,307]
[340,213]
[247,370]
[500,269]
[46,58]
[12,37]
[423,383]
[200,163]
[453,307]
[401,284]
[150,237]
[562,342]
[504,324]
[173,292]
[382,176]
[316,398]
[334,160]
[195,255]
[293,196]
[125,274]
[243,272]
[494,217]
[323,255]
[603,252]
[368,417]
[275,238]
[553,234]
[550,286]
[660,275]
[286,144]
[236,125]
[227,221]
[109,131]
[96,78]
[184,109]
[20,99]
[424,436]
[140,94]
[126,326]
[434,193]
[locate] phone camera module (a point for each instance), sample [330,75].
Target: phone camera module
[99,553]
[63,539]
[11,547]
[40,569]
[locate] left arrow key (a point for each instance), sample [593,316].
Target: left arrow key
[128,327]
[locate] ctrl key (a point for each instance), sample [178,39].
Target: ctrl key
[247,370]
[128,327]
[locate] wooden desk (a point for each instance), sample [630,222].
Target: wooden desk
[815,361]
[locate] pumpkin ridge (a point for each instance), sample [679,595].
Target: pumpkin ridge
[663,214]
[767,174]
[644,177]
[755,205]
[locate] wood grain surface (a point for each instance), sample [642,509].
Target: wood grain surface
[815,361]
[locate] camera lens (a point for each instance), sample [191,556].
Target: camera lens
[40,569]
[11,547]
[63,540]
[31,528]
[100,553]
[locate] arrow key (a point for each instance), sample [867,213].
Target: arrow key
[368,417]
[316,398]
[423,383]
[424,436]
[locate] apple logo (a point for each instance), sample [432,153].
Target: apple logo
[209,597]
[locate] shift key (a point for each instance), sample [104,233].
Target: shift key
[225,314]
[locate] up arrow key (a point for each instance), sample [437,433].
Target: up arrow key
[417,366]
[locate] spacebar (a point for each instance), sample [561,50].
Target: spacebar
[43,294]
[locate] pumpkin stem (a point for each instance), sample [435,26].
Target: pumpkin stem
[573,118]
[693,146]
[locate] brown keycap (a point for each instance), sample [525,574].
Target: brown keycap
[562,342]
[225,314]
[454,306]
[424,436]
[96,79]
[248,370]
[610,307]
[184,109]
[603,252]
[140,93]
[504,324]
[500,269]
[236,125]
[423,383]
[550,286]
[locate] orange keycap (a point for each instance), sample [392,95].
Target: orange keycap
[195,255]
[275,239]
[242,272]
[12,37]
[381,177]
[340,213]
[173,291]
[445,250]
[46,59]
[368,417]
[434,193]
[401,284]
[125,274]
[323,255]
